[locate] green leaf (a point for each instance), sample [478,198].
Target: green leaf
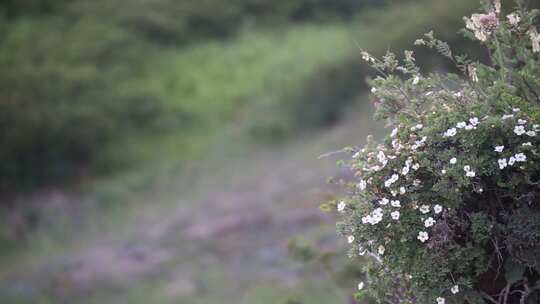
[513,271]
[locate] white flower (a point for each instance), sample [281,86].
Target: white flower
[519,130]
[502,163]
[416,80]
[461,125]
[356,155]
[394,132]
[513,19]
[522,121]
[395,203]
[362,251]
[531,133]
[527,144]
[417,182]
[429,222]
[422,236]
[511,161]
[440,300]
[341,206]
[424,209]
[405,170]
[402,190]
[416,166]
[443,171]
[384,201]
[360,285]
[419,126]
[395,215]
[381,249]
[474,121]
[350,239]
[437,209]
[373,90]
[506,116]
[362,185]
[469,127]
[520,157]
[499,149]
[535,39]
[515,110]
[468,171]
[454,289]
[450,132]
[391,180]
[453,160]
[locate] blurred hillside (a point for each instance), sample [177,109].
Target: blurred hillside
[151,150]
[84,81]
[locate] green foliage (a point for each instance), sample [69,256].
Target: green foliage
[448,203]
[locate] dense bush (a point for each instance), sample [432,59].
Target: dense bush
[448,205]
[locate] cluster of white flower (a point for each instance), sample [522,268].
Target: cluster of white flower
[482,25]
[473,123]
[341,206]
[374,217]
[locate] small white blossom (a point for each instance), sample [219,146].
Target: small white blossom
[503,163]
[362,251]
[381,250]
[499,149]
[405,170]
[453,160]
[474,121]
[360,285]
[395,215]
[531,133]
[506,116]
[350,239]
[424,209]
[469,127]
[402,190]
[461,125]
[391,180]
[467,168]
[522,121]
[454,289]
[443,171]
[417,182]
[535,39]
[511,161]
[384,201]
[513,19]
[520,157]
[515,110]
[395,203]
[470,174]
[394,132]
[527,144]
[422,236]
[419,126]
[429,222]
[437,209]
[450,132]
[362,185]
[441,300]
[373,90]
[356,155]
[416,166]
[416,80]
[341,206]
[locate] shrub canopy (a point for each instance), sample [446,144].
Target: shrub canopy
[448,205]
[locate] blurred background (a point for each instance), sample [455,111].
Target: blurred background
[166,151]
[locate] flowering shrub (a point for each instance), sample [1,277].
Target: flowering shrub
[448,205]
